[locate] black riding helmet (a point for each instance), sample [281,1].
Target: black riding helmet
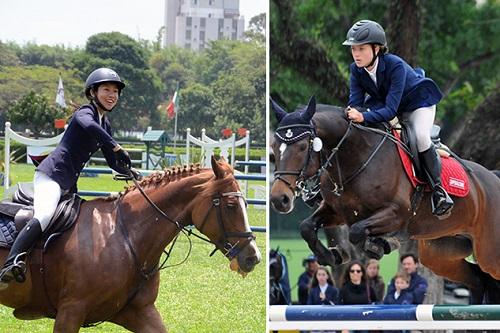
[365,32]
[99,76]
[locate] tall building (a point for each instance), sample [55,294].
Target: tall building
[192,23]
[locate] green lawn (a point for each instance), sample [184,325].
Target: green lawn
[201,295]
[296,250]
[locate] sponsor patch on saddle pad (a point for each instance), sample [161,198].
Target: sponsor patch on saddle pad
[453,176]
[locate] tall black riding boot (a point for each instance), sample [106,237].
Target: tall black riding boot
[441,201]
[14,267]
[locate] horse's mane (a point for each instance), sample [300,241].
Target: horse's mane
[166,176]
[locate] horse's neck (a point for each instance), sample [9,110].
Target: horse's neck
[150,232]
[355,148]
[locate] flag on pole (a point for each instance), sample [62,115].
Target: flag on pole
[60,94]
[171,106]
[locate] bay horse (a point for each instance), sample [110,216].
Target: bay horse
[106,267]
[363,185]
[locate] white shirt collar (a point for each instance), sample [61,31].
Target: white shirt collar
[373,72]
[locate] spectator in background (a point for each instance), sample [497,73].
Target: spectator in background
[322,292]
[418,285]
[355,288]
[374,279]
[401,295]
[311,265]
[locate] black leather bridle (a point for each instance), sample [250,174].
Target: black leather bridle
[278,174]
[338,186]
[229,250]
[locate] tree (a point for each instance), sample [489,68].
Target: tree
[477,137]
[8,56]
[257,29]
[35,111]
[17,81]
[196,109]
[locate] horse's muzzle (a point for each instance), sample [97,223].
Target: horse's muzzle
[282,198]
[248,258]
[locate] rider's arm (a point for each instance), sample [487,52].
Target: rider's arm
[393,98]
[356,91]
[85,118]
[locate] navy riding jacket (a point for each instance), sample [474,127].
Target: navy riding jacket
[399,89]
[83,137]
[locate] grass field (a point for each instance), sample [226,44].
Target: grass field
[296,250]
[201,295]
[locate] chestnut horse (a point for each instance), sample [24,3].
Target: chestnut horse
[363,185]
[105,268]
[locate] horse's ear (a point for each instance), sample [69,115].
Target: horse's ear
[278,110]
[216,167]
[311,109]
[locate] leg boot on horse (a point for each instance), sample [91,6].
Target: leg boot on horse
[442,204]
[14,266]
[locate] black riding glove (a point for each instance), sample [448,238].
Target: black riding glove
[123,159]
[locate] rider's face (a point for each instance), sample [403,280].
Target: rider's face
[363,54]
[107,94]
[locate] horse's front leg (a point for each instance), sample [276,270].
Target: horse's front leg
[383,221]
[70,317]
[144,319]
[324,216]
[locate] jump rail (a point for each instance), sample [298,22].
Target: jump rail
[384,317]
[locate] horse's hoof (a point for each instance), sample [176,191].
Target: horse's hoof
[376,248]
[357,234]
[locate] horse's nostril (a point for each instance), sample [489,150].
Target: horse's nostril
[251,261]
[285,200]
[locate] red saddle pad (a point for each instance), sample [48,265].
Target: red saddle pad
[453,176]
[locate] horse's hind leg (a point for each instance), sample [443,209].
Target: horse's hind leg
[446,257]
[145,319]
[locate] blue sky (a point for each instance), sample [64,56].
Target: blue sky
[72,22]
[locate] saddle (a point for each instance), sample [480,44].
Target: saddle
[453,175]
[15,213]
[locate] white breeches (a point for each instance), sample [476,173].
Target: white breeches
[421,121]
[46,197]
